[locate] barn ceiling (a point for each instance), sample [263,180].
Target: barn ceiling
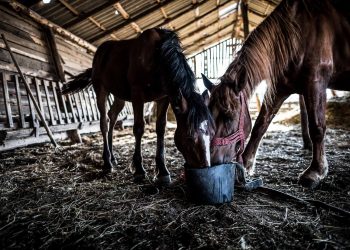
[199,23]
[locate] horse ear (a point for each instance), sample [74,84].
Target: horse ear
[207,83]
[206,97]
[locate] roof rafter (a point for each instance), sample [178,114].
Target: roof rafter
[199,18]
[76,12]
[83,16]
[210,26]
[203,17]
[214,37]
[203,38]
[132,19]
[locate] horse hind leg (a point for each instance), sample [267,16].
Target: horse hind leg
[113,113]
[315,100]
[162,174]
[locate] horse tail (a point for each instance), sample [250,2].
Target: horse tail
[79,82]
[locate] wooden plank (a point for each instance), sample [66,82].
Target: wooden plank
[48,100]
[83,106]
[78,108]
[57,105]
[7,100]
[22,137]
[31,108]
[29,64]
[16,35]
[59,30]
[19,102]
[68,120]
[88,105]
[12,18]
[70,102]
[52,46]
[92,103]
[38,94]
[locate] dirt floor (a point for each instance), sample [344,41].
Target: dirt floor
[59,199]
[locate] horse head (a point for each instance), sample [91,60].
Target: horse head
[194,129]
[230,113]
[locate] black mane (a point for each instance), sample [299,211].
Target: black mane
[182,77]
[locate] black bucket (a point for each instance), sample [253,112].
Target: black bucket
[212,185]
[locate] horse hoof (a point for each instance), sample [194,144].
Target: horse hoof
[107,169]
[308,182]
[114,163]
[162,180]
[139,178]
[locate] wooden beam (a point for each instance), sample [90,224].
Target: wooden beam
[128,21]
[209,40]
[93,20]
[52,46]
[218,24]
[7,101]
[19,103]
[202,39]
[121,10]
[163,12]
[136,27]
[76,12]
[203,26]
[59,30]
[70,7]
[85,15]
[203,17]
[244,9]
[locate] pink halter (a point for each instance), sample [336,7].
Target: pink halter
[238,136]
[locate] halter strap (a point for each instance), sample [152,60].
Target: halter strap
[238,136]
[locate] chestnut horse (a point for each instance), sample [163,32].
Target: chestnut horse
[150,67]
[302,47]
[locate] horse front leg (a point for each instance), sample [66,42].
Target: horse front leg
[101,105]
[113,113]
[315,100]
[304,124]
[267,113]
[162,174]
[138,130]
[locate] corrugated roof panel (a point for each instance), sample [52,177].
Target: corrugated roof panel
[189,24]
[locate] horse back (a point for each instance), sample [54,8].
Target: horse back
[129,66]
[325,41]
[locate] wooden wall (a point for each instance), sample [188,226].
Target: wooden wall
[30,42]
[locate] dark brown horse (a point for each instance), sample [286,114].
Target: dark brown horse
[302,47]
[151,67]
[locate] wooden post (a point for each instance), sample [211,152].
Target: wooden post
[51,40]
[244,9]
[74,136]
[7,101]
[49,133]
[19,103]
